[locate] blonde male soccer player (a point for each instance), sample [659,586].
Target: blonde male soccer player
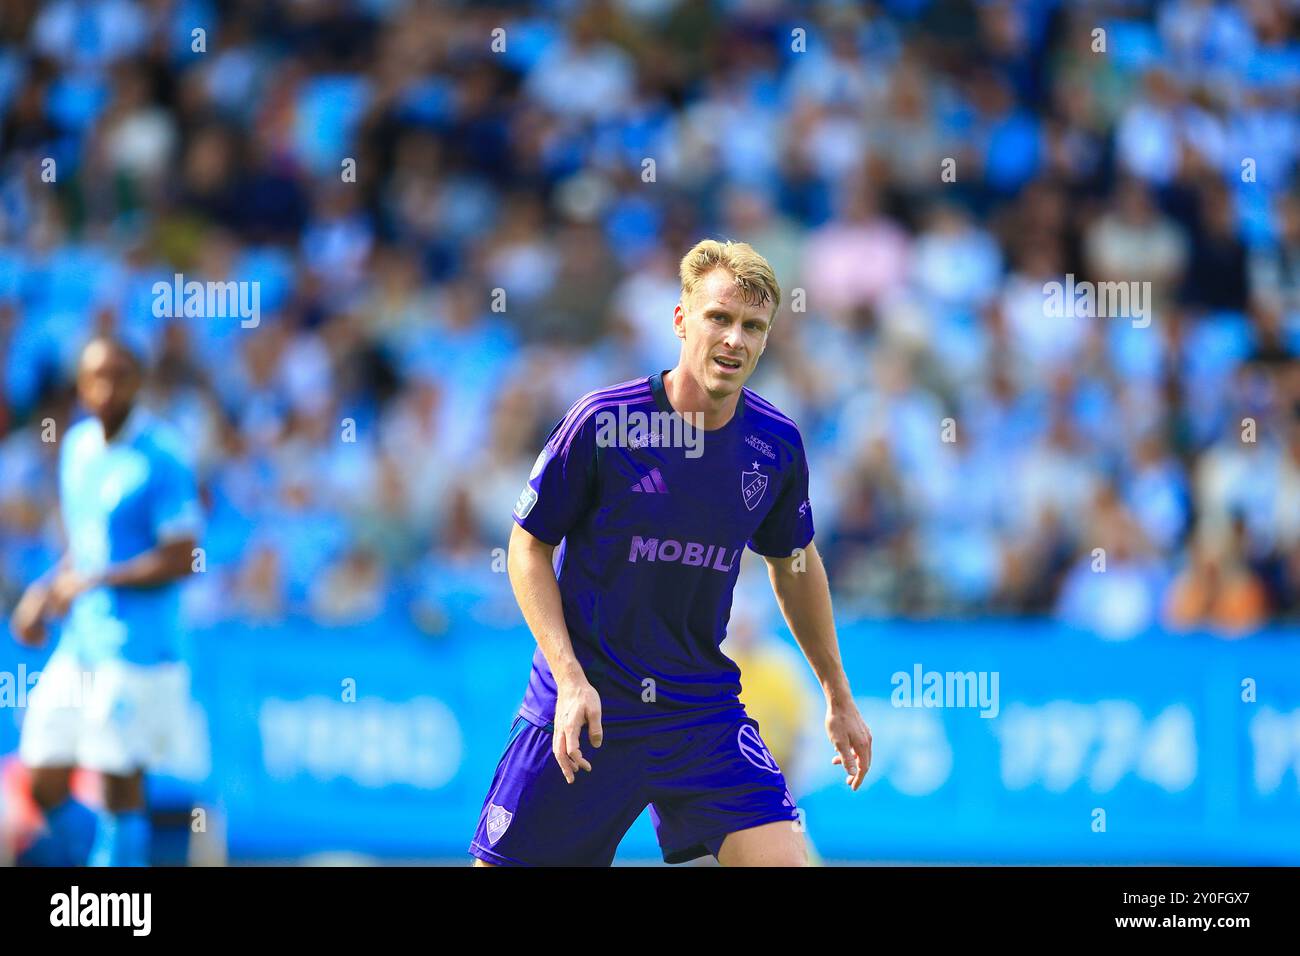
[631,703]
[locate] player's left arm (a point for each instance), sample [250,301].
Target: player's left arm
[169,561]
[176,523]
[803,593]
[166,562]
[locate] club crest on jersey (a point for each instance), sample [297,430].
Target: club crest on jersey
[752,485]
[498,821]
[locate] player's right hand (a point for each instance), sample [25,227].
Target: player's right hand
[28,619]
[577,705]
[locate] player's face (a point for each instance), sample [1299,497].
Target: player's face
[107,381]
[722,334]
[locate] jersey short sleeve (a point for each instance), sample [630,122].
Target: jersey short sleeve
[174,499]
[789,525]
[561,486]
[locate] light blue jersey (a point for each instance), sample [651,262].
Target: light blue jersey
[120,499]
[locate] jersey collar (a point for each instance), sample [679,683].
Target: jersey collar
[661,399]
[131,428]
[657,389]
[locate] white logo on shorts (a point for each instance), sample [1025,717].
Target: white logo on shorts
[754,750]
[498,821]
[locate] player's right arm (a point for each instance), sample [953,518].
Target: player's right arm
[28,619]
[559,493]
[577,703]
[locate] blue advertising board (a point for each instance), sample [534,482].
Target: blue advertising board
[1164,749]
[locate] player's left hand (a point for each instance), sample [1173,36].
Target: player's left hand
[68,584]
[851,739]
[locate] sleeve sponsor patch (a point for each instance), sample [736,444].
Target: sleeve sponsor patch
[542,458]
[527,498]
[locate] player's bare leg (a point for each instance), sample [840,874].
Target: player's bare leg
[50,786]
[123,794]
[478,862]
[772,844]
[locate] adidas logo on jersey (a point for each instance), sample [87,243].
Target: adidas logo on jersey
[651,484]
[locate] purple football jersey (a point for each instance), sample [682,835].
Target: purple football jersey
[650,531]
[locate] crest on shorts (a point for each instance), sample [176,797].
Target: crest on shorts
[752,485]
[754,750]
[498,821]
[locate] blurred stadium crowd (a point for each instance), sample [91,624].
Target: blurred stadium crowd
[1169,157]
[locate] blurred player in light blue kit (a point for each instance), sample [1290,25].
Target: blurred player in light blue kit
[114,693]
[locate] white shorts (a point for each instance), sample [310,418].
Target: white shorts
[114,718]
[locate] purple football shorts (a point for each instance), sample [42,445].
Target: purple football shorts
[700,782]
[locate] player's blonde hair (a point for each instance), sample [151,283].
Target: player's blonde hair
[754,278]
